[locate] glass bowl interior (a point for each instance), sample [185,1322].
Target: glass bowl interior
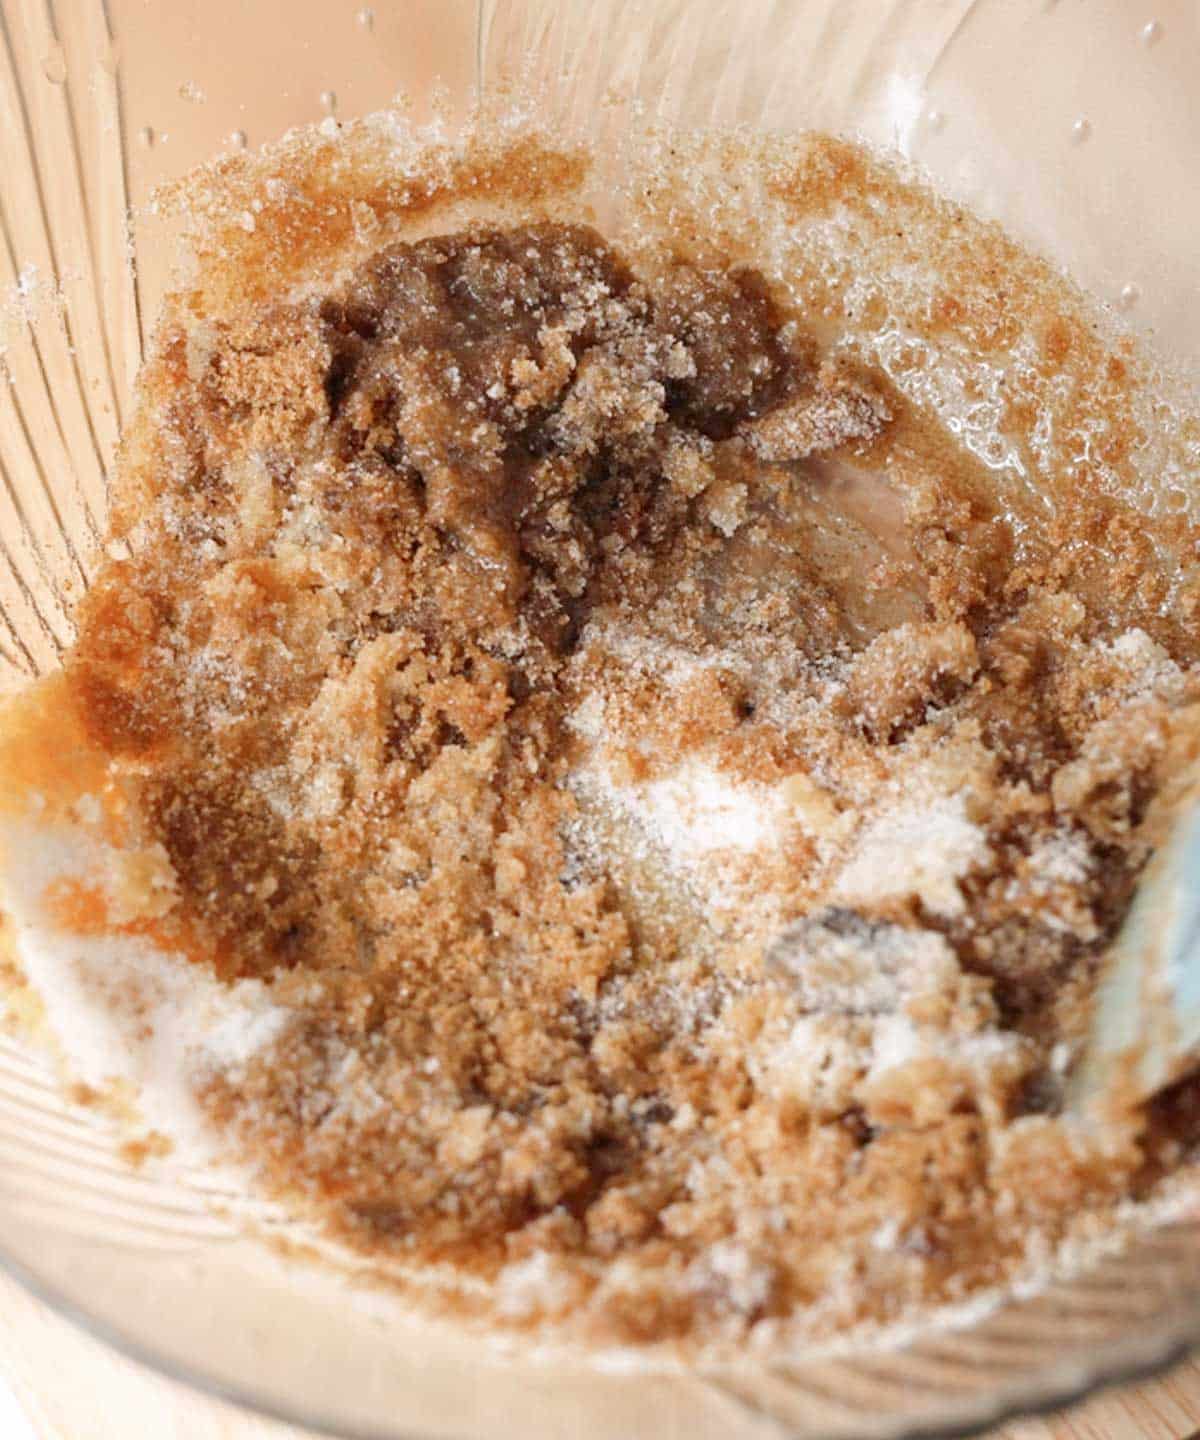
[1071,125]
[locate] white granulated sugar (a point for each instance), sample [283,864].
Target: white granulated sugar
[821,1062]
[1147,665]
[983,1049]
[325,792]
[1063,859]
[642,655]
[588,719]
[887,1235]
[744,1280]
[696,810]
[235,1035]
[895,1041]
[541,1283]
[1056,873]
[692,814]
[274,785]
[839,964]
[88,809]
[829,1062]
[691,822]
[124,1009]
[921,847]
[858,979]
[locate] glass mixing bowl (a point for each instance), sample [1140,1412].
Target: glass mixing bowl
[1072,124]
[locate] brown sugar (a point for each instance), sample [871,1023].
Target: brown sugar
[685,862]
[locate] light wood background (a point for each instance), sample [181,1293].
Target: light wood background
[73,1388]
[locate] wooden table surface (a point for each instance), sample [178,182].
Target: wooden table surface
[73,1388]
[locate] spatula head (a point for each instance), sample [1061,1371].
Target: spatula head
[1145,1031]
